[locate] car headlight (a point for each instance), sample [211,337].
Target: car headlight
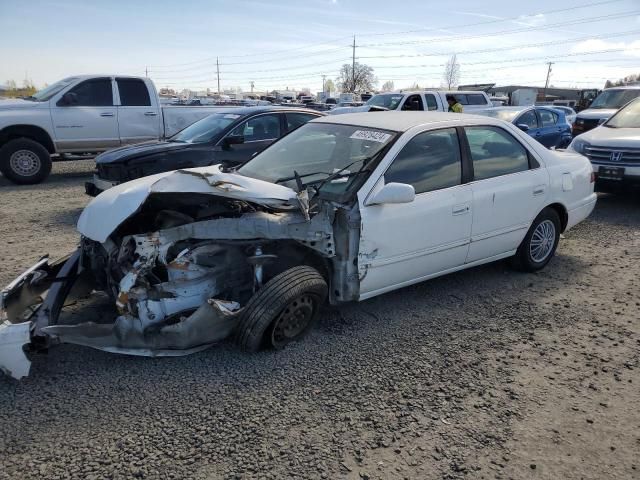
[578,145]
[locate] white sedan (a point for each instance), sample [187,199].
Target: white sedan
[342,209]
[614,149]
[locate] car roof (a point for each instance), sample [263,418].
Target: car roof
[400,121]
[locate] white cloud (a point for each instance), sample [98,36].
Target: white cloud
[628,48]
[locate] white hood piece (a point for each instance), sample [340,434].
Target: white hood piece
[19,104]
[613,137]
[112,207]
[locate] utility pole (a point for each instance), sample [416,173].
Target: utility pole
[218,72]
[324,77]
[546,84]
[146,71]
[353,67]
[252,84]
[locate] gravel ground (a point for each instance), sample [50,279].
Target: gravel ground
[481,374]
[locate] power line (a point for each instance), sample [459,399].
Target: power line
[598,18]
[502,49]
[339,39]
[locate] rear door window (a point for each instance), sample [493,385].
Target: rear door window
[495,152]
[476,99]
[133,92]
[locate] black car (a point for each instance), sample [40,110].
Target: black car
[231,137]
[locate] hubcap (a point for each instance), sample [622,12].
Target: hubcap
[293,320]
[542,241]
[24,162]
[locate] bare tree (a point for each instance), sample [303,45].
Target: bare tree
[363,80]
[452,73]
[388,86]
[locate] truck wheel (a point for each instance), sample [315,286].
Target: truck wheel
[24,161]
[540,243]
[283,310]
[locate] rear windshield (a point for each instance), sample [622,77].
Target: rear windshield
[206,129]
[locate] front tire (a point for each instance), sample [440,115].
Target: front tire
[24,161]
[282,311]
[540,243]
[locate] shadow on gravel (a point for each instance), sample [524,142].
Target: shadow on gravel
[67,216]
[618,209]
[62,173]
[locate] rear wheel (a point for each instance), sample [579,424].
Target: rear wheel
[540,243]
[283,310]
[24,161]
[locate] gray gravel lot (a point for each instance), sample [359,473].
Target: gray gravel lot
[486,373]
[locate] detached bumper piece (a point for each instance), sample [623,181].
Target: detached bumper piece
[30,302]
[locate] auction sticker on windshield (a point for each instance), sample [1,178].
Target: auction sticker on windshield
[371,135]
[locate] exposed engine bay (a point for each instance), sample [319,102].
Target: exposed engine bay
[180,270]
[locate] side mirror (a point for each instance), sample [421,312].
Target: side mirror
[601,121]
[232,140]
[393,193]
[68,99]
[523,126]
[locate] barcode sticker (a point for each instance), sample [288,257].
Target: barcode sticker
[371,135]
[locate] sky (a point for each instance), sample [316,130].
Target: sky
[291,43]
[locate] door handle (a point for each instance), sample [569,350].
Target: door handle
[460,209]
[106,114]
[151,114]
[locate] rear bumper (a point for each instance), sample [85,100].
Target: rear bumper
[579,213]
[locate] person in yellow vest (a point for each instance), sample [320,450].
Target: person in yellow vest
[454,105]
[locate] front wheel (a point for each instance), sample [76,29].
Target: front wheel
[24,161]
[283,310]
[540,243]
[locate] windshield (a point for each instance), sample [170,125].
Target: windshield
[48,92]
[628,117]
[615,98]
[206,129]
[386,100]
[506,115]
[317,150]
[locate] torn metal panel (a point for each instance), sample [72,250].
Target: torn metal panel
[317,233]
[212,322]
[109,209]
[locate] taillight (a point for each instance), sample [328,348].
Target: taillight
[593,177]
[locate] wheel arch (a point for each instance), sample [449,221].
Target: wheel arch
[32,132]
[291,253]
[561,210]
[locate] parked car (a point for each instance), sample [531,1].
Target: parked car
[603,106]
[569,113]
[342,209]
[614,149]
[83,114]
[231,136]
[420,100]
[547,125]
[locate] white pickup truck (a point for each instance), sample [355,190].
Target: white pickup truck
[435,100]
[84,114]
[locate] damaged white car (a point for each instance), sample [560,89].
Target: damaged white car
[342,209]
